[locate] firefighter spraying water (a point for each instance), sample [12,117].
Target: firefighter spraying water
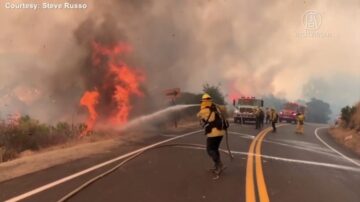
[215,126]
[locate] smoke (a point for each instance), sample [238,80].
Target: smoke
[252,47]
[338,92]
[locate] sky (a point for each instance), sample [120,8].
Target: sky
[291,49]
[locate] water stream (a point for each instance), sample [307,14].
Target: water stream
[155,115]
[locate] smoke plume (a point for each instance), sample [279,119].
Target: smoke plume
[253,48]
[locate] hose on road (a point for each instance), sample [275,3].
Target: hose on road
[86,184]
[227,145]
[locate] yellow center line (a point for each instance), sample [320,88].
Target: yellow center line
[263,194]
[255,152]
[250,189]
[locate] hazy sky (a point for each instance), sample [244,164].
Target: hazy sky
[292,49]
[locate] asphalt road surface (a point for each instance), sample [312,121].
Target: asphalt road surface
[280,167]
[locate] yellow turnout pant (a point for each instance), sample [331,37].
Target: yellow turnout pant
[299,128]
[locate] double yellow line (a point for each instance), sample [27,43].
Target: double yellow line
[255,153]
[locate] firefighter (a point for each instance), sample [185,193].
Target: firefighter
[261,117]
[300,123]
[212,119]
[273,118]
[257,118]
[267,120]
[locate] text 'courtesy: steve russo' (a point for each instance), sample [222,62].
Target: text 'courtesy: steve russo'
[45,5]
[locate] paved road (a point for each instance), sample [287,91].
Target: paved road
[268,166]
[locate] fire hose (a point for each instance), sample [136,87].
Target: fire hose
[227,145]
[89,182]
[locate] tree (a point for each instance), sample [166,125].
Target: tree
[318,111]
[348,117]
[346,114]
[188,98]
[215,92]
[274,102]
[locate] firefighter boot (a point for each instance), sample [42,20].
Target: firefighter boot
[218,168]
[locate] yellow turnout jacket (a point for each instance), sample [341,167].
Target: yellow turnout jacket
[204,114]
[300,119]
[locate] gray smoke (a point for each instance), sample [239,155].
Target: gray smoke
[344,91]
[253,47]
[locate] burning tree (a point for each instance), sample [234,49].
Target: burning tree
[109,96]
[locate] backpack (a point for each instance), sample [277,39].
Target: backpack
[219,122]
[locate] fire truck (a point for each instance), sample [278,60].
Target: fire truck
[245,109]
[289,111]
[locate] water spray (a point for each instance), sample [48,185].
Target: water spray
[157,114]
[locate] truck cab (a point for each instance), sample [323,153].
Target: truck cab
[245,109]
[289,112]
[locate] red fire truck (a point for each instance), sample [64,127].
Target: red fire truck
[289,111]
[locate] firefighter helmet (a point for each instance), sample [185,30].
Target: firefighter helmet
[206,97]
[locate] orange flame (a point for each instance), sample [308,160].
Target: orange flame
[129,85]
[233,94]
[89,100]
[120,79]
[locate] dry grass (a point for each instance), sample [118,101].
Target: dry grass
[29,161]
[349,138]
[347,132]
[356,118]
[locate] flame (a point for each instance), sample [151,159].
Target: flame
[121,80]
[89,100]
[233,94]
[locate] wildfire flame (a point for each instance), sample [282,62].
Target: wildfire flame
[121,80]
[89,100]
[233,94]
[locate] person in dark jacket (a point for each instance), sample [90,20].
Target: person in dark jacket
[261,118]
